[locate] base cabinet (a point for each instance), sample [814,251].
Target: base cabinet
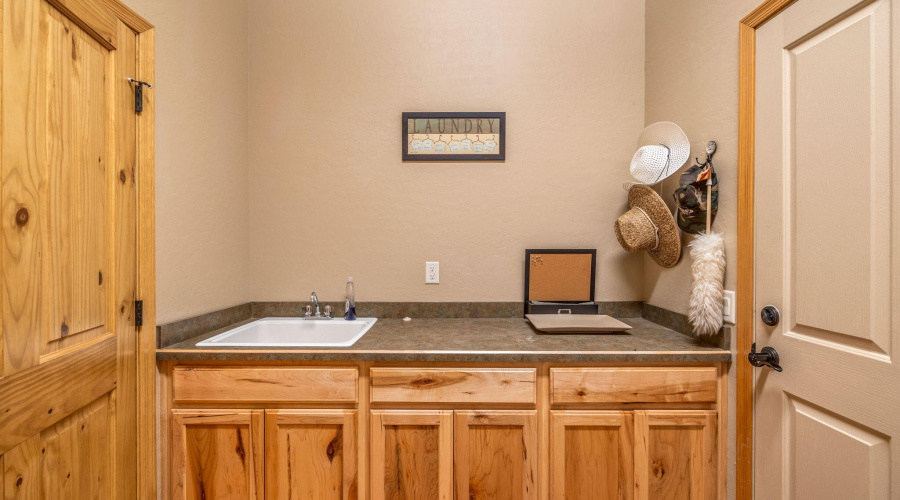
[591,455]
[496,454]
[675,455]
[311,454]
[217,454]
[412,454]
[416,434]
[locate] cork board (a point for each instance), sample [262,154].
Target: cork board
[560,277]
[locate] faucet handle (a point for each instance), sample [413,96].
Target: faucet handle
[329,312]
[308,312]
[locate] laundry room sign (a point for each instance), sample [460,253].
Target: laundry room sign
[454,136]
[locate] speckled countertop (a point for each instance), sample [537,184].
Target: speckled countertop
[473,340]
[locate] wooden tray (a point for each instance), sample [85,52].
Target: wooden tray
[576,323]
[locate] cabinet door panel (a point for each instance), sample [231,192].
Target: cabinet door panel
[675,455]
[217,454]
[412,454]
[311,454]
[591,455]
[496,454]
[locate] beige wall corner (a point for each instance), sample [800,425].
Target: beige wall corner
[202,217]
[692,79]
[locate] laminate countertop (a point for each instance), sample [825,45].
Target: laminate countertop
[472,340]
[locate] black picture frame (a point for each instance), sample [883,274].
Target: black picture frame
[499,156]
[591,251]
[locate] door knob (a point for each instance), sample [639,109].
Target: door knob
[770,315]
[767,356]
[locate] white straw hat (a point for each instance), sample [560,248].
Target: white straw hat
[663,148]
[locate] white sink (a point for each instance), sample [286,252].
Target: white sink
[293,332]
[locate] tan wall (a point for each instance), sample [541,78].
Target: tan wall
[201,154]
[692,80]
[330,197]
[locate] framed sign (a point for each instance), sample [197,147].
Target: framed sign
[454,136]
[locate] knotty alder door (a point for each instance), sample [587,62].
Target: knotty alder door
[827,209]
[67,252]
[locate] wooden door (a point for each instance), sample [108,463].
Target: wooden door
[412,454]
[311,454]
[496,454]
[591,455]
[67,251]
[217,454]
[675,455]
[827,209]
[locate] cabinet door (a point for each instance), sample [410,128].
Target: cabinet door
[217,454]
[412,454]
[675,455]
[311,454]
[591,455]
[496,454]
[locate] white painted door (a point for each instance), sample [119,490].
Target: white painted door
[828,251]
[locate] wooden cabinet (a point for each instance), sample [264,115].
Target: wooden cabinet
[675,455]
[447,432]
[496,454]
[591,455]
[311,454]
[412,454]
[217,454]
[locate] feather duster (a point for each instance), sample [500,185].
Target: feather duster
[707,294]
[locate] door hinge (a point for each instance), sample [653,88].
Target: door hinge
[139,94]
[138,313]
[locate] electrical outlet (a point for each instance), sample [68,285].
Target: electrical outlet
[729,305]
[432,272]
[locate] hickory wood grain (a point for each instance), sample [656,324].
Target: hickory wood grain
[496,454]
[453,385]
[411,454]
[273,385]
[633,385]
[217,454]
[591,455]
[675,455]
[311,454]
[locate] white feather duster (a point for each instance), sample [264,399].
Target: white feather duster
[707,294]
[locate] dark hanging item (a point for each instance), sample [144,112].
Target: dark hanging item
[139,313]
[691,196]
[139,94]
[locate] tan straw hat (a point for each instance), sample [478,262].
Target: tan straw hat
[649,225]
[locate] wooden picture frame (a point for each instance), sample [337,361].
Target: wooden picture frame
[453,130]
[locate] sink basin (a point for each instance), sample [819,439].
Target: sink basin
[293,332]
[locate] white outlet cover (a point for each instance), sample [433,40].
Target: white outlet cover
[729,306]
[432,272]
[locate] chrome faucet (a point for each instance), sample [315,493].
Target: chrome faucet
[329,311]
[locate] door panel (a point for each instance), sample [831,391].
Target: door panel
[67,459]
[311,454]
[67,250]
[591,455]
[412,454]
[827,226]
[217,454]
[496,454]
[675,455]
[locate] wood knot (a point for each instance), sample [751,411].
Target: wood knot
[19,481]
[658,469]
[423,381]
[22,216]
[122,176]
[581,393]
[64,329]
[101,278]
